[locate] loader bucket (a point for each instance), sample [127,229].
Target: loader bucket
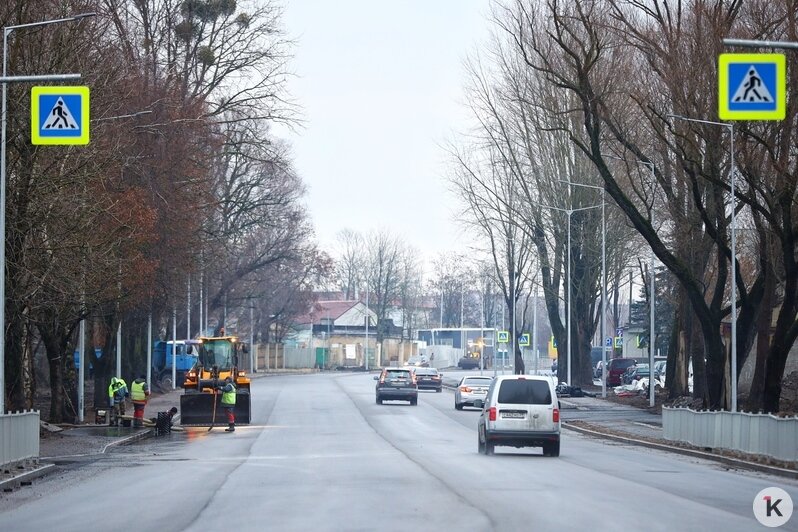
[196,409]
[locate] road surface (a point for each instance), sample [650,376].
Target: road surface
[321,455]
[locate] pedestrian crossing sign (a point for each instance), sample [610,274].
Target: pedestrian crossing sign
[523,340]
[504,337]
[59,115]
[752,87]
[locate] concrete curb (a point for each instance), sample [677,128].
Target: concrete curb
[25,478]
[732,462]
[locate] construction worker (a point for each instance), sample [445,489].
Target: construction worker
[139,393]
[117,391]
[229,403]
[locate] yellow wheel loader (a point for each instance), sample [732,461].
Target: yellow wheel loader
[201,400]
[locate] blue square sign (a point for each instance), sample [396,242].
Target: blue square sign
[60,115]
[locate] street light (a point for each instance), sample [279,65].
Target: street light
[603,285]
[7,30]
[568,342]
[652,299]
[730,126]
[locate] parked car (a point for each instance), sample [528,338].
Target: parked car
[554,366]
[429,379]
[635,373]
[469,389]
[597,370]
[660,367]
[420,361]
[616,368]
[519,411]
[396,384]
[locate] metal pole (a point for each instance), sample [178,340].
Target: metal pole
[760,44]
[603,300]
[441,323]
[366,347]
[651,332]
[6,32]
[149,349]
[482,335]
[732,171]
[201,323]
[513,279]
[119,350]
[568,316]
[733,276]
[252,357]
[174,348]
[188,309]
[3,118]
[81,370]
[535,328]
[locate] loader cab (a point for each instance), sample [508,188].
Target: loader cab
[219,352]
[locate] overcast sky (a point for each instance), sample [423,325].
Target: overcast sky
[381,83]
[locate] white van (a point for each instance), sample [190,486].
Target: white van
[520,411]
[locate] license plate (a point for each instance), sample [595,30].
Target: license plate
[513,415]
[480,392]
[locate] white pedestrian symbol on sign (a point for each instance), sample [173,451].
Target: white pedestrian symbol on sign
[60,117]
[752,89]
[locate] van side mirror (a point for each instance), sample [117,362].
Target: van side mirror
[376,377]
[479,404]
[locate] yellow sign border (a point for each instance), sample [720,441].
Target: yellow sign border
[779,60]
[505,335]
[35,116]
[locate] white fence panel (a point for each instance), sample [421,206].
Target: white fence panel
[19,437]
[762,434]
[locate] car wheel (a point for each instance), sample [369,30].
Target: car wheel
[379,400]
[554,449]
[439,390]
[489,447]
[414,401]
[480,445]
[458,406]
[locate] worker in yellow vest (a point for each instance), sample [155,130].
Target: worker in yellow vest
[229,403]
[139,393]
[117,391]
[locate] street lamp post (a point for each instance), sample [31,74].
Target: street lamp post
[603,286]
[652,301]
[7,30]
[730,126]
[569,212]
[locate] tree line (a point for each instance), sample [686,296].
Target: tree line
[574,102]
[183,196]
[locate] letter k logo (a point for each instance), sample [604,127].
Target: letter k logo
[772,506]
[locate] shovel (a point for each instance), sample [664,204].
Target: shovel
[213,416]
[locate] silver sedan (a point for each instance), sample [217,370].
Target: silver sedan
[470,389]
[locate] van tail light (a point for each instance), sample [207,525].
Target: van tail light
[465,389]
[492,413]
[555,416]
[414,378]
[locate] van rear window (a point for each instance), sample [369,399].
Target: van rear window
[526,392]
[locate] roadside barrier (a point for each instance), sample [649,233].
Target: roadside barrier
[762,434]
[19,437]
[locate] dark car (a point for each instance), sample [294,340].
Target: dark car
[616,368]
[469,362]
[429,379]
[635,373]
[396,384]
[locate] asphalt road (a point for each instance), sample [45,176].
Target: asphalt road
[321,455]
